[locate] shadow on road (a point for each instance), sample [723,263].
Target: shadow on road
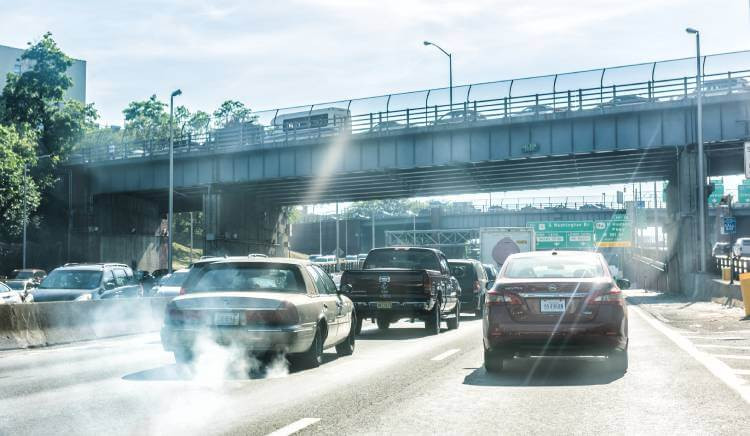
[546,371]
[394,333]
[181,372]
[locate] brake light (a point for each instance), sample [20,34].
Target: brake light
[610,296]
[427,283]
[495,297]
[477,286]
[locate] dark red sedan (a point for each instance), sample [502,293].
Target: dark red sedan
[551,303]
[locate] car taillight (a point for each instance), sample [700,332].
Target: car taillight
[500,297]
[284,315]
[427,284]
[612,295]
[477,286]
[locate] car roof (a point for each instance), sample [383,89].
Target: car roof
[462,261]
[281,260]
[564,253]
[91,266]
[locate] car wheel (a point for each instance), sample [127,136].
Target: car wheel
[346,348]
[618,361]
[493,362]
[453,323]
[313,357]
[358,326]
[432,323]
[183,356]
[383,323]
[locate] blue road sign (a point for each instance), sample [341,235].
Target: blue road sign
[730,226]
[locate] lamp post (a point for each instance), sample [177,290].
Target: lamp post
[450,69]
[701,174]
[171,178]
[25,213]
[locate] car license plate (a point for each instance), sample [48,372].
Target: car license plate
[553,306]
[384,305]
[227,318]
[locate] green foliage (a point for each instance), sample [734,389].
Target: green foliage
[231,112]
[199,122]
[384,207]
[16,151]
[146,119]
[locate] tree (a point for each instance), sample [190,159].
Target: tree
[146,119]
[384,207]
[199,122]
[16,151]
[231,112]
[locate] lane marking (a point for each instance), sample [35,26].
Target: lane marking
[742,371]
[442,356]
[731,356]
[717,338]
[718,368]
[729,347]
[294,427]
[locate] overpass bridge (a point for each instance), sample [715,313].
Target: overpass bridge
[610,125]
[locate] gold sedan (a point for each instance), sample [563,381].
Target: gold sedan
[261,305]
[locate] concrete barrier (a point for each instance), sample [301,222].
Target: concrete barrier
[41,324]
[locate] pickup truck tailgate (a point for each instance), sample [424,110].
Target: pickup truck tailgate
[394,283]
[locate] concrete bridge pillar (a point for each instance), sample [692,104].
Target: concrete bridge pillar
[238,223]
[682,231]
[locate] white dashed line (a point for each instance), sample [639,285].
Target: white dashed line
[442,356]
[728,347]
[295,427]
[731,356]
[717,338]
[718,368]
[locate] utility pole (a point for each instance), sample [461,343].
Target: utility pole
[170,218]
[191,237]
[701,175]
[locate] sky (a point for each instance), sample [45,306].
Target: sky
[281,53]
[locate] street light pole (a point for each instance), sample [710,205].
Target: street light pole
[373,229]
[701,175]
[170,218]
[450,69]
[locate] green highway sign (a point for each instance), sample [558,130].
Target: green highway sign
[715,196]
[743,192]
[583,235]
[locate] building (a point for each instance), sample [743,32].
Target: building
[10,63]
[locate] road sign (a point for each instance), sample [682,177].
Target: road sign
[747,160]
[729,225]
[743,193]
[715,197]
[583,235]
[617,232]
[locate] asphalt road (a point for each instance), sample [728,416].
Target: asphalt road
[397,382]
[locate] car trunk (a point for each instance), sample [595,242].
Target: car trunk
[552,301]
[394,283]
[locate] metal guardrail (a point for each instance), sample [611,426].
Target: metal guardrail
[341,265]
[483,103]
[738,265]
[430,238]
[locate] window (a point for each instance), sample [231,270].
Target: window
[248,277]
[72,279]
[120,278]
[327,281]
[560,266]
[320,282]
[406,259]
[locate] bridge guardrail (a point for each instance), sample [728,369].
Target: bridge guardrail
[738,265]
[480,103]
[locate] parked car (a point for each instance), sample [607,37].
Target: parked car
[721,249]
[169,285]
[404,282]
[741,247]
[491,271]
[9,296]
[93,281]
[264,305]
[473,281]
[556,303]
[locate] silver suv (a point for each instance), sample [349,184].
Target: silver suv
[81,282]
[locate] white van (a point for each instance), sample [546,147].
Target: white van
[741,247]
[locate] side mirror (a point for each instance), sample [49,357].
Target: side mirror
[346,289]
[489,284]
[623,283]
[109,286]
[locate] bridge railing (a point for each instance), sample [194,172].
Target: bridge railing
[594,90]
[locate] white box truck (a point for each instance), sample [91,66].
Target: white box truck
[497,243]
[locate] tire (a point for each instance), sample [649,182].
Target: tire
[618,361]
[493,362]
[358,326]
[383,323]
[432,323]
[346,348]
[453,323]
[183,356]
[313,357]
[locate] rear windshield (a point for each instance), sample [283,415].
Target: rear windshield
[21,275]
[248,277]
[72,279]
[18,286]
[406,259]
[469,276]
[174,279]
[553,267]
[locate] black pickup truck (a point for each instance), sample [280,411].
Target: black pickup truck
[404,282]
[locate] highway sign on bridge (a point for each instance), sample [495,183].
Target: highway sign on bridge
[583,235]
